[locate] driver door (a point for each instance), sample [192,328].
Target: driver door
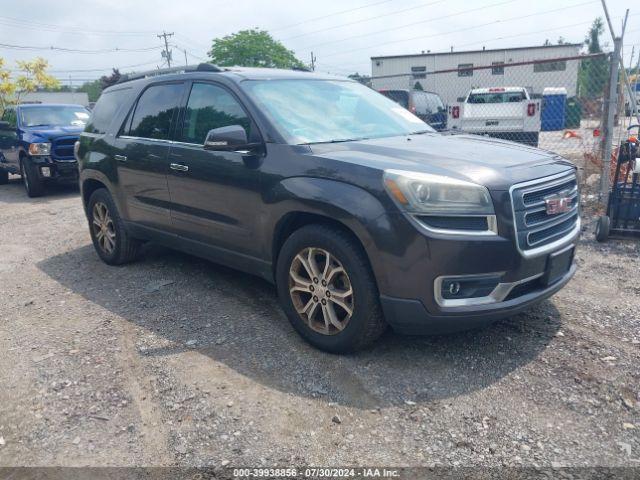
[215,196]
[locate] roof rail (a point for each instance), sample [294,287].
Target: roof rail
[201,67]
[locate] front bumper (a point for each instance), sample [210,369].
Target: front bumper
[60,171]
[411,317]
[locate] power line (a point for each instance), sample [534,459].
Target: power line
[76,50]
[432,19]
[333,27]
[421,37]
[34,25]
[314,19]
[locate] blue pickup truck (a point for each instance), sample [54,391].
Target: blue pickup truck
[37,141]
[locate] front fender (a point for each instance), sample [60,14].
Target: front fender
[360,211]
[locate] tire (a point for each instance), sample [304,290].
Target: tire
[366,321]
[113,244]
[603,228]
[32,183]
[4,176]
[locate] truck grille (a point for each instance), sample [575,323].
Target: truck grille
[62,147]
[534,226]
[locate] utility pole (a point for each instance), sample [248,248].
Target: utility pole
[167,53]
[313,62]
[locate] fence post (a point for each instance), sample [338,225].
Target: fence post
[611,102]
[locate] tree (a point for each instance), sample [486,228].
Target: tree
[33,76]
[252,48]
[94,89]
[593,73]
[107,81]
[363,79]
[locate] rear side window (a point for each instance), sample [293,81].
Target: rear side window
[210,107]
[105,110]
[155,111]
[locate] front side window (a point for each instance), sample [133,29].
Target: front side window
[210,107]
[155,111]
[320,111]
[54,115]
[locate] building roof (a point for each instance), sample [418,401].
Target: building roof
[462,52]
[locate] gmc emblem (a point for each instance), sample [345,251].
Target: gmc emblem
[557,204]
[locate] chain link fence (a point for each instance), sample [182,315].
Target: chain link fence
[557,104]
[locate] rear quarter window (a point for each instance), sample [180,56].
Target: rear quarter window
[106,109]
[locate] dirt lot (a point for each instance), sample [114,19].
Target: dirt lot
[176,361]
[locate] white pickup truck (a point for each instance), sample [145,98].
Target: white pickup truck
[502,112]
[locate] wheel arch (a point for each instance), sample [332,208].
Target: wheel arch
[305,201]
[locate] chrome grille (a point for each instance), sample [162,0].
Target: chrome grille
[534,227]
[62,147]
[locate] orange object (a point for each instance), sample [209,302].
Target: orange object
[571,134]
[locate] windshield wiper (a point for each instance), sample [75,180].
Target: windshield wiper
[337,140]
[420,132]
[39,125]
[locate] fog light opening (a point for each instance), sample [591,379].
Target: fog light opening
[470,287]
[46,171]
[454,288]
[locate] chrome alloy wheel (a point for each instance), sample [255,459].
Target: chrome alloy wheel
[321,291]
[103,228]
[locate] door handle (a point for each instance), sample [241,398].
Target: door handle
[120,158]
[178,166]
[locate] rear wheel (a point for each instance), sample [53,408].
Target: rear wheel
[327,290]
[603,228]
[33,185]
[110,238]
[4,176]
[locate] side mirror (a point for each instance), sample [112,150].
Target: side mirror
[226,139]
[5,126]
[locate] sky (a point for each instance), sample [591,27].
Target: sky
[342,35]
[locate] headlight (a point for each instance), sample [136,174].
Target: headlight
[423,193]
[39,149]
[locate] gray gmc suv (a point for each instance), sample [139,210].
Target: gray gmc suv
[360,213]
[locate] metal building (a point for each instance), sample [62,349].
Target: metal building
[455,84]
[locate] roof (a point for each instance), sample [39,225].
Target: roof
[40,105]
[462,52]
[498,90]
[235,73]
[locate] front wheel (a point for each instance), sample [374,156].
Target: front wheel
[33,185]
[328,291]
[110,238]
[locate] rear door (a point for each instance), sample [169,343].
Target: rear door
[215,195]
[9,140]
[142,157]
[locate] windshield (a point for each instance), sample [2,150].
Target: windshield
[54,115]
[320,111]
[499,97]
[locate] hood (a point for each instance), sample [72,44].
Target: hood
[496,164]
[44,133]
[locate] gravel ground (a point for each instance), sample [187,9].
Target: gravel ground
[174,361]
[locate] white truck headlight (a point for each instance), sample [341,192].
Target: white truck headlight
[423,193]
[39,149]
